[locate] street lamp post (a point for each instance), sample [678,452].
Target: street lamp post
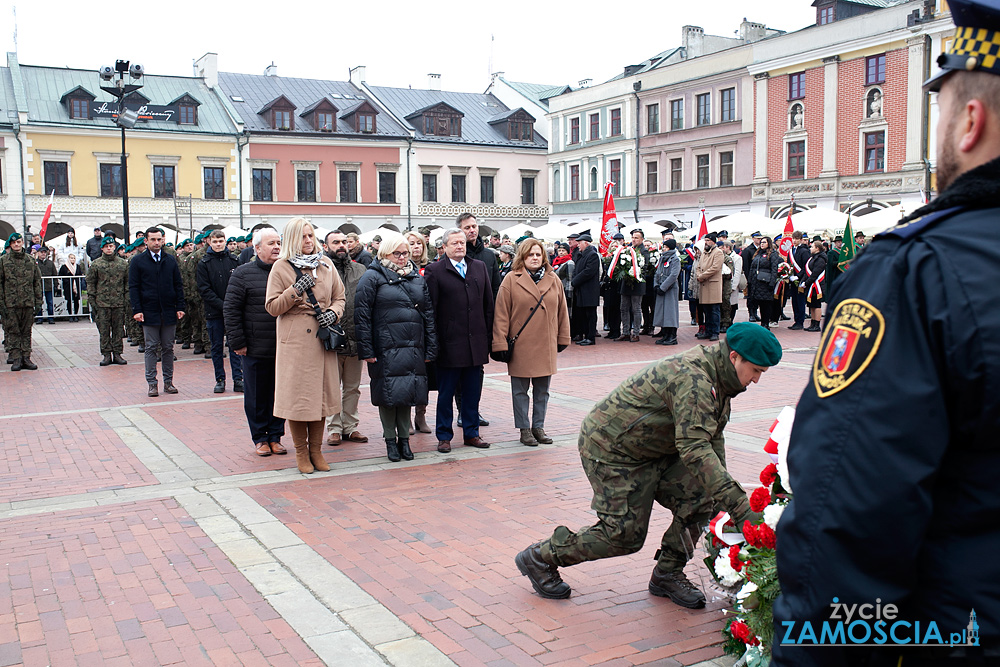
[126,118]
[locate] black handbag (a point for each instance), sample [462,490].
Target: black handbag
[504,356]
[334,337]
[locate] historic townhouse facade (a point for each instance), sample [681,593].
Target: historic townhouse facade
[841,121]
[533,97]
[468,152]
[184,148]
[315,148]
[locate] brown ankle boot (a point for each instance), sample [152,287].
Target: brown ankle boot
[302,458]
[420,419]
[316,457]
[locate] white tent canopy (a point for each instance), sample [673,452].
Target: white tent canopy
[818,219]
[876,221]
[745,224]
[552,231]
[366,237]
[518,230]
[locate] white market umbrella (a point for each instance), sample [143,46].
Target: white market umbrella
[745,223]
[876,221]
[517,231]
[366,237]
[813,219]
[552,231]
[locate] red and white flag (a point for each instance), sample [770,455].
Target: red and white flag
[45,218]
[609,220]
[785,245]
[703,230]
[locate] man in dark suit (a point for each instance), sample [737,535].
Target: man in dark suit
[587,287]
[747,257]
[157,296]
[463,311]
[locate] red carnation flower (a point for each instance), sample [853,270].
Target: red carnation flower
[734,558]
[759,499]
[751,534]
[769,474]
[766,536]
[740,630]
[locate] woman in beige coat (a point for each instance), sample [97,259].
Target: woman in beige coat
[533,361]
[307,380]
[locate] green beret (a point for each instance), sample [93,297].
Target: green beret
[13,237]
[108,240]
[231,239]
[184,243]
[139,242]
[754,343]
[199,238]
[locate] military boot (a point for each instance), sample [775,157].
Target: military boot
[540,436]
[27,365]
[116,359]
[544,577]
[106,361]
[675,585]
[527,438]
[16,364]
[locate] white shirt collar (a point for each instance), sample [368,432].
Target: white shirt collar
[457,264]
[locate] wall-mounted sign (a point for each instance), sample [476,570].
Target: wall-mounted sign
[146,112]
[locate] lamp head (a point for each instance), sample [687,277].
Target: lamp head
[107,73]
[136,71]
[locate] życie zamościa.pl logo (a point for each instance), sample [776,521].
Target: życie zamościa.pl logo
[874,625]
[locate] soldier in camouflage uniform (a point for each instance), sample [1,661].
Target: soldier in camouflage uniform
[726,311]
[133,328]
[195,307]
[107,285]
[658,436]
[184,326]
[20,297]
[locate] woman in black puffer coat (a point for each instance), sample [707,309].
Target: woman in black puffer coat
[762,280]
[252,334]
[394,326]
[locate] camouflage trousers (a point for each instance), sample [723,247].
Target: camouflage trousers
[17,330]
[726,311]
[623,500]
[198,329]
[111,325]
[132,328]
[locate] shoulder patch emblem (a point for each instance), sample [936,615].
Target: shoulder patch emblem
[850,342]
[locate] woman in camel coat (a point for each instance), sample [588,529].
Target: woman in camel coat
[307,379]
[533,361]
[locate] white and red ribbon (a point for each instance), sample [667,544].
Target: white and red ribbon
[717,527]
[634,270]
[817,286]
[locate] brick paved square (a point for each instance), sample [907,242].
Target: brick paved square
[103,568]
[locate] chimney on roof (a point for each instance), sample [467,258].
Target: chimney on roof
[434,81]
[752,32]
[207,68]
[693,40]
[357,75]
[271,70]
[584,83]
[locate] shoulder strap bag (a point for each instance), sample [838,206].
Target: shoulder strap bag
[334,337]
[504,356]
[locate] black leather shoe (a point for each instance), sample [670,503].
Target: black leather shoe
[675,585]
[796,327]
[16,365]
[392,449]
[198,349]
[544,578]
[586,341]
[784,317]
[169,388]
[483,421]
[187,346]
[404,449]
[238,386]
[106,361]
[754,318]
[713,337]
[220,387]
[142,348]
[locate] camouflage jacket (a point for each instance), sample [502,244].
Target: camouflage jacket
[675,408]
[107,282]
[189,275]
[20,281]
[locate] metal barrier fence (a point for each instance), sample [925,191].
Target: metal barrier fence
[64,297]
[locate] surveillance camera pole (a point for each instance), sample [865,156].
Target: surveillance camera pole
[120,90]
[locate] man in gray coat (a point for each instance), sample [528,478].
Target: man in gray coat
[666,313]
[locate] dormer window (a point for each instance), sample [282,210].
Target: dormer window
[441,120]
[366,122]
[519,130]
[187,110]
[281,119]
[279,112]
[79,108]
[520,125]
[325,121]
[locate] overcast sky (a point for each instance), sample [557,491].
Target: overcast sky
[399,42]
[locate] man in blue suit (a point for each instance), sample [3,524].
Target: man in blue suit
[157,296]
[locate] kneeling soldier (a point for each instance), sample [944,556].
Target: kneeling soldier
[658,436]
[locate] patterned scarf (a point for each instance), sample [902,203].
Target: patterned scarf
[305,261]
[537,275]
[392,266]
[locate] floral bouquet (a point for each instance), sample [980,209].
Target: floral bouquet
[627,265]
[747,563]
[786,274]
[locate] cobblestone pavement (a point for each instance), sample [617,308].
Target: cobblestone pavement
[144,531]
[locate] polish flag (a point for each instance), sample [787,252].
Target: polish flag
[609,220]
[45,218]
[785,245]
[703,230]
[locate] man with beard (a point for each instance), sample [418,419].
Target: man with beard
[890,509]
[344,426]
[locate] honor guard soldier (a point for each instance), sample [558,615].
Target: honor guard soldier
[107,287]
[20,297]
[894,457]
[659,437]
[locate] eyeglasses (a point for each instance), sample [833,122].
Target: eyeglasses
[400,254]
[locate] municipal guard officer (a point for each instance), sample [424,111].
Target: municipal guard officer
[107,285]
[658,436]
[894,458]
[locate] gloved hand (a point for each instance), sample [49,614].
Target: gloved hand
[327,318]
[560,348]
[304,282]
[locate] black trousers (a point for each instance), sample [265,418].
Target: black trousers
[589,315]
[612,313]
[648,305]
[258,400]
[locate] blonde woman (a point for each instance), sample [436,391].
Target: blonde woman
[420,256]
[418,251]
[307,380]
